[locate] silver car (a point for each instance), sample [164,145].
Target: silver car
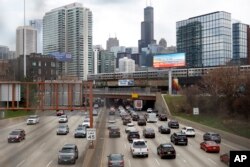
[68,154]
[80,132]
[62,129]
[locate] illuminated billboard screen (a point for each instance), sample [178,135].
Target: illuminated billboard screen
[169,60]
[61,56]
[126,82]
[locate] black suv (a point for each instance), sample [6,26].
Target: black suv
[162,117]
[135,116]
[68,154]
[179,138]
[166,150]
[133,135]
[211,136]
[16,135]
[114,132]
[173,124]
[141,121]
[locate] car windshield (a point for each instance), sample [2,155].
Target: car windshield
[115,157]
[33,116]
[86,120]
[149,130]
[139,144]
[67,150]
[14,133]
[164,126]
[215,135]
[62,127]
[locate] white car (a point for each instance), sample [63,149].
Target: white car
[188,131]
[33,119]
[63,119]
[86,122]
[139,147]
[149,110]
[130,126]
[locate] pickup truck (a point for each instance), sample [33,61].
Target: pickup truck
[139,147]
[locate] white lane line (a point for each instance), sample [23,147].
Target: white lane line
[212,161]
[129,163]
[230,146]
[20,163]
[125,146]
[157,162]
[49,163]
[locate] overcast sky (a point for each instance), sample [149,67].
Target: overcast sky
[120,17]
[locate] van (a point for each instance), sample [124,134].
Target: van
[151,117]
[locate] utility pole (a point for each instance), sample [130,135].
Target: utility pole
[24,41]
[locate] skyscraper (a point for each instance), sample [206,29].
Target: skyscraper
[29,43]
[38,25]
[206,39]
[69,29]
[147,29]
[112,42]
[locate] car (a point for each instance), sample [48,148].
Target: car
[110,125]
[114,132]
[126,120]
[148,133]
[115,160]
[80,131]
[162,117]
[32,119]
[151,117]
[60,112]
[139,147]
[141,121]
[188,131]
[95,112]
[135,116]
[16,135]
[179,138]
[62,129]
[164,129]
[130,126]
[133,135]
[212,136]
[166,150]
[210,146]
[149,110]
[68,154]
[225,158]
[173,124]
[63,119]
[86,122]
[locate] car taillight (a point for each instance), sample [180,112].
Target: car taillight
[110,163]
[122,163]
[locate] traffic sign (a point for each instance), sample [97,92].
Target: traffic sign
[91,134]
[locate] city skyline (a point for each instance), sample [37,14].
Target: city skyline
[125,23]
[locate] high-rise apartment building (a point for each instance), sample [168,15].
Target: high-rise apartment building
[106,61]
[206,39]
[111,42]
[126,65]
[96,52]
[38,25]
[147,29]
[4,52]
[69,29]
[27,44]
[248,45]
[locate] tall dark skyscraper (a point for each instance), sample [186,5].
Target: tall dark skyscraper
[147,29]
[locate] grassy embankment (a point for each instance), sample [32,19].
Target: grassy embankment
[238,127]
[18,113]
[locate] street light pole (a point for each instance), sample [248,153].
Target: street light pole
[24,42]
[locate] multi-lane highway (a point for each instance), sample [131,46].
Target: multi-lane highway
[41,146]
[187,156]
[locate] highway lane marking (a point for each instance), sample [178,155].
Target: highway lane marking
[157,162]
[20,163]
[49,163]
[230,146]
[212,161]
[129,163]
[125,146]
[184,160]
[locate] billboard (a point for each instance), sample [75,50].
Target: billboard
[138,104]
[126,82]
[169,60]
[61,56]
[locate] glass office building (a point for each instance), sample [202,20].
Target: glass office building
[206,39]
[239,43]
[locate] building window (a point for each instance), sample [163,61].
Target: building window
[33,63]
[39,71]
[53,64]
[39,63]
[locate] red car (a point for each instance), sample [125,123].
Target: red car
[210,146]
[59,113]
[225,158]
